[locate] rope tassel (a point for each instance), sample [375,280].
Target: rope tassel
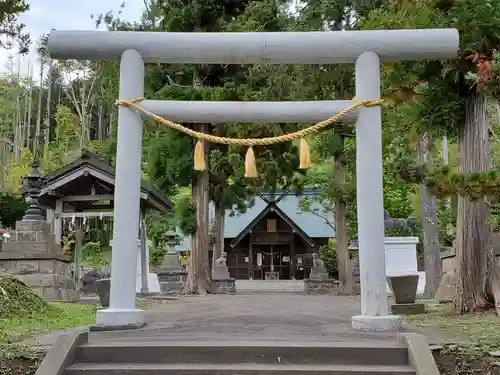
[305,156]
[199,156]
[250,167]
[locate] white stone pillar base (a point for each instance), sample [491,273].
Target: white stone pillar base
[120,317]
[386,323]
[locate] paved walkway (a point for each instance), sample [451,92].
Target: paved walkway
[273,317]
[252,316]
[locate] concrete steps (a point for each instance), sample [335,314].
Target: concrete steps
[237,369]
[239,358]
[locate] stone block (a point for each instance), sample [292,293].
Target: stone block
[56,294]
[19,266]
[404,288]
[28,236]
[24,247]
[171,287]
[32,225]
[62,268]
[171,263]
[45,280]
[47,266]
[171,282]
[42,277]
[326,286]
[447,287]
[408,308]
[227,286]
[103,291]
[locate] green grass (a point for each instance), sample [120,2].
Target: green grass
[481,329]
[61,315]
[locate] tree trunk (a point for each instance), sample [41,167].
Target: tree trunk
[19,123]
[343,258]
[48,113]
[30,102]
[432,249]
[36,140]
[25,127]
[477,272]
[100,122]
[220,216]
[199,280]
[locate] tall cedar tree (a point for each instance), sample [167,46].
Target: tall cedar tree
[170,153]
[455,102]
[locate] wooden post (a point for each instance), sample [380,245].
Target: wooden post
[250,256]
[144,258]
[58,222]
[79,233]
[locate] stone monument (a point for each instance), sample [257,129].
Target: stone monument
[170,272]
[319,281]
[220,271]
[32,255]
[404,291]
[222,281]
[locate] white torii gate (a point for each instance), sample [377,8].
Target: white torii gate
[364,48]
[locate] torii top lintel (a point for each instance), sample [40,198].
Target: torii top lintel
[256,47]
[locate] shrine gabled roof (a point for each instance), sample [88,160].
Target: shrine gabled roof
[72,173]
[272,207]
[314,225]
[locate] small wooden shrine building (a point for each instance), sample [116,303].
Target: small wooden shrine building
[85,188]
[274,238]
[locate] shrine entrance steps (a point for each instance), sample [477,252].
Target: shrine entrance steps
[270,286]
[139,357]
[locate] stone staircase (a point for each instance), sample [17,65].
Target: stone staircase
[137,357]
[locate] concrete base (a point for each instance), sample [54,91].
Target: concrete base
[324,286]
[408,308]
[113,317]
[226,286]
[105,328]
[389,323]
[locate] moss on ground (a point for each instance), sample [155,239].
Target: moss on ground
[475,336]
[24,314]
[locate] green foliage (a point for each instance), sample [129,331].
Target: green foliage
[10,29]
[328,254]
[17,299]
[11,209]
[96,255]
[185,211]
[65,147]
[444,182]
[168,162]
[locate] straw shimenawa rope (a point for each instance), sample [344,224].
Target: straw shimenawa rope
[250,168]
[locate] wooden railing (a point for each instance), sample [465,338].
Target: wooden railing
[272,237]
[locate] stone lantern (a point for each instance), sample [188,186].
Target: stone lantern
[171,273]
[31,187]
[172,240]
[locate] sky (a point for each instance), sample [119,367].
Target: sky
[45,15]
